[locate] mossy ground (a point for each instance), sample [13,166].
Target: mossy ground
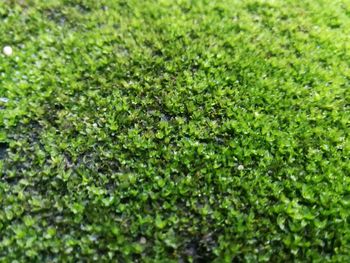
[175,131]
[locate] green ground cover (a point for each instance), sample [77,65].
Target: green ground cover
[184,131]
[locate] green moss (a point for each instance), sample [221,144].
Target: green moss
[185,131]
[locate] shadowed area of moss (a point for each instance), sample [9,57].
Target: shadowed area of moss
[175,131]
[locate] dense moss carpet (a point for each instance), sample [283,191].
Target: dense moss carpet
[175,131]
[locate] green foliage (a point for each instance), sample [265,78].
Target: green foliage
[175,131]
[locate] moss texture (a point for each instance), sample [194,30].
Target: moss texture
[175,131]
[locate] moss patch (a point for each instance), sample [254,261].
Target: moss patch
[184,131]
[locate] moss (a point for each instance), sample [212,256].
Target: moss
[184,131]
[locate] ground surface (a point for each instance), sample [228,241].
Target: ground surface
[175,130]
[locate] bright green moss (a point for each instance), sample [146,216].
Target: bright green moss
[185,131]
